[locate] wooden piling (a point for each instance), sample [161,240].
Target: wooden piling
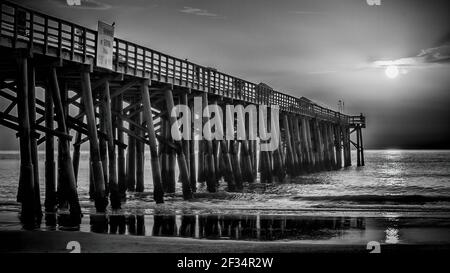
[361,146]
[131,156]
[298,146]
[182,165]
[234,151]
[309,141]
[295,155]
[290,167]
[33,141]
[60,173]
[331,145]
[338,145]
[194,144]
[103,143]
[77,148]
[318,145]
[253,154]
[67,166]
[218,166]
[171,160]
[140,156]
[185,142]
[108,127]
[121,168]
[50,167]
[229,174]
[209,171]
[101,200]
[278,166]
[247,161]
[91,181]
[163,155]
[158,193]
[358,150]
[26,193]
[326,147]
[346,145]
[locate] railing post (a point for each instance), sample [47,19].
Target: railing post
[45,35]
[84,43]
[59,39]
[72,42]
[117,54]
[31,43]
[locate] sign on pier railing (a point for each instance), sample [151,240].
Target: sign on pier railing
[105,42]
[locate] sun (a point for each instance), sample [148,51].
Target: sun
[391,72]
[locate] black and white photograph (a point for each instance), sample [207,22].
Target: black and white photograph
[238,129]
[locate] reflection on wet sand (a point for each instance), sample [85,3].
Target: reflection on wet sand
[389,230]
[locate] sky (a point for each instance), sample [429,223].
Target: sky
[326,50]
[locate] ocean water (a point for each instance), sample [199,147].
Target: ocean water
[403,182]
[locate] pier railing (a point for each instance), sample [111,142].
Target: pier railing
[40,33]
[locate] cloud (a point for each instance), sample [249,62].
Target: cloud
[84,4]
[427,57]
[198,12]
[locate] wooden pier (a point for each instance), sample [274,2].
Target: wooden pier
[123,110]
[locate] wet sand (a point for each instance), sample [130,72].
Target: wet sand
[56,242]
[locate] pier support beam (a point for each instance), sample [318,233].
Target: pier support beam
[358,146]
[112,175]
[121,168]
[140,157]
[346,145]
[103,144]
[70,192]
[158,193]
[182,165]
[77,147]
[209,158]
[194,143]
[234,153]
[306,141]
[50,167]
[33,141]
[298,146]
[97,168]
[164,156]
[60,179]
[228,171]
[295,155]
[26,194]
[187,143]
[331,145]
[338,145]
[361,146]
[131,156]
[290,161]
